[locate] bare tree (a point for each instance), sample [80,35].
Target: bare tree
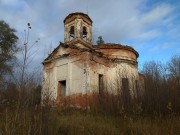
[174,67]
[27,56]
[26,80]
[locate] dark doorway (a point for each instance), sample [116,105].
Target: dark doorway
[62,88]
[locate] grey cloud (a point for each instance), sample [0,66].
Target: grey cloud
[116,20]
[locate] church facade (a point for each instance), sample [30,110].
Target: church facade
[77,67]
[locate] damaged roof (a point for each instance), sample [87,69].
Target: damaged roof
[69,46]
[93,49]
[78,13]
[115,46]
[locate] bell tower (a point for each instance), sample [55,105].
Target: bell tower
[78,26]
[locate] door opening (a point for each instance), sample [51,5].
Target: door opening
[62,88]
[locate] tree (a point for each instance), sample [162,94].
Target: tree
[8,40]
[100,40]
[174,67]
[27,57]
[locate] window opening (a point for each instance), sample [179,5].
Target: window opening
[137,87]
[101,84]
[71,32]
[84,33]
[125,90]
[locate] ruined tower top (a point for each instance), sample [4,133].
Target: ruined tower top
[78,26]
[72,16]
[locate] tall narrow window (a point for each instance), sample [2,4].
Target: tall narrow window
[71,32]
[84,33]
[62,88]
[101,84]
[137,87]
[125,90]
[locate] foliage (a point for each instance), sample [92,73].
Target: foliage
[8,41]
[100,40]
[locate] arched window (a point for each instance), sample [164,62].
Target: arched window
[84,33]
[71,32]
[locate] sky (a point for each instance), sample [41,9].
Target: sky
[152,27]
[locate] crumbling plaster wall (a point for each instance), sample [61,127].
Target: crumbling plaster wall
[112,77]
[65,69]
[81,73]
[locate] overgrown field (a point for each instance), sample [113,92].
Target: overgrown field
[56,121]
[155,112]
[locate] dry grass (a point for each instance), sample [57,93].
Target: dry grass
[89,124]
[25,121]
[56,121]
[156,113]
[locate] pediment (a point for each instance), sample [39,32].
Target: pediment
[65,49]
[60,50]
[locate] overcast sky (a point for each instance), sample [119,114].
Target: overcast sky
[152,27]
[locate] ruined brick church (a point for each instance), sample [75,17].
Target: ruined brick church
[77,67]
